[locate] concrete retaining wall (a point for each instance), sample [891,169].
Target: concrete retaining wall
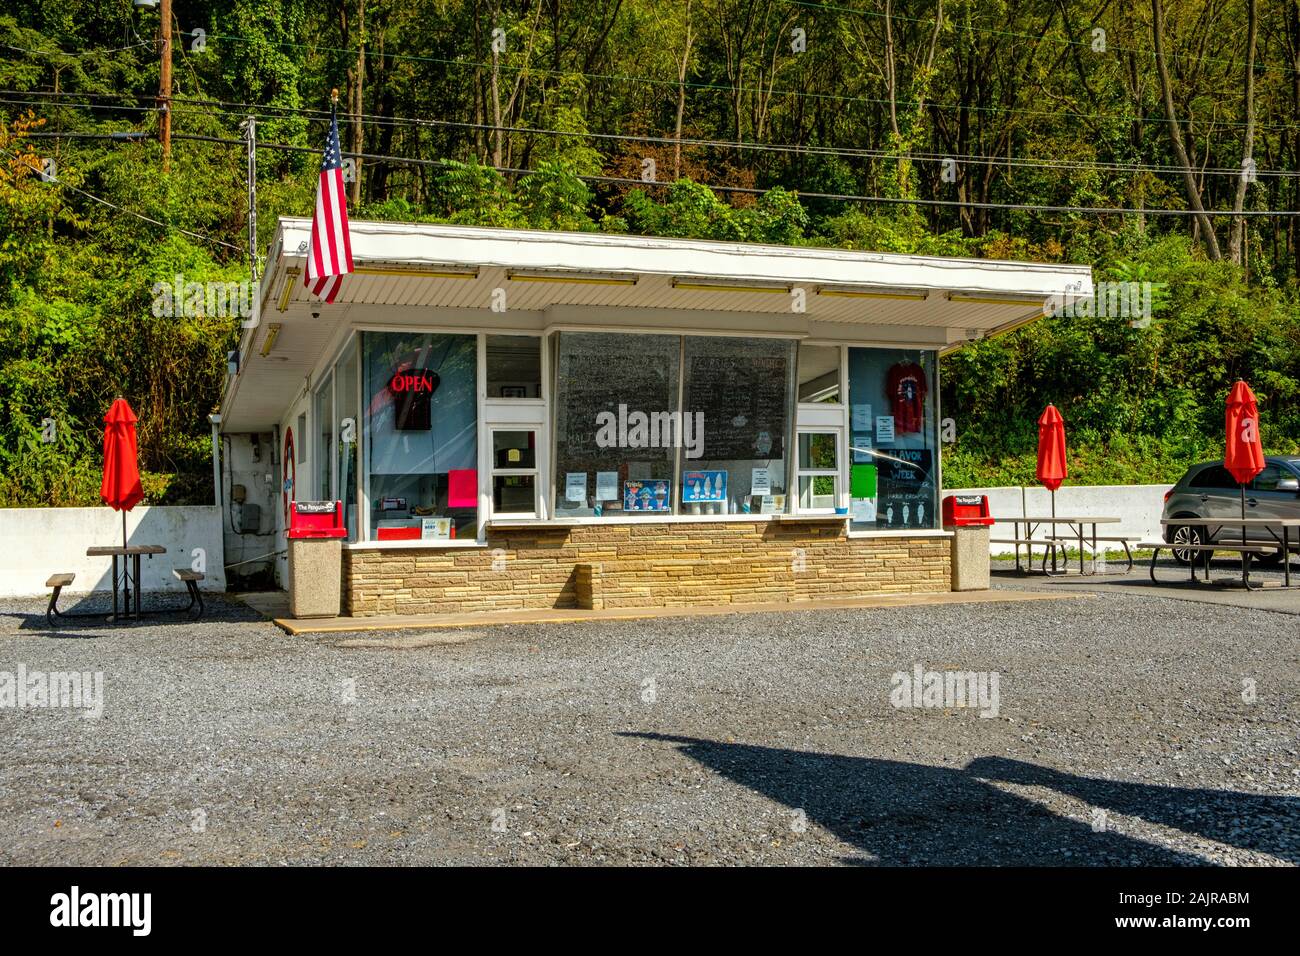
[38,542]
[1138,507]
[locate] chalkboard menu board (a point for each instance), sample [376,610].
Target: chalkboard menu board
[743,399]
[597,373]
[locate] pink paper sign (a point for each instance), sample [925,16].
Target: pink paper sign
[462,490]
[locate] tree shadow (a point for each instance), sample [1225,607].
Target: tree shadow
[910,814]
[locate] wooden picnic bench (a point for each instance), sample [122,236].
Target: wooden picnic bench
[1244,547]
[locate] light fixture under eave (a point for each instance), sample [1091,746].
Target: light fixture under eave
[991,299]
[720,287]
[571,279]
[417,273]
[268,343]
[884,292]
[286,290]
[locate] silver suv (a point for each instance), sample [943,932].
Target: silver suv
[1208,490]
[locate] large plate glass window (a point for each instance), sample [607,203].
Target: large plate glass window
[421,419]
[893,436]
[323,412]
[737,398]
[347,431]
[616,398]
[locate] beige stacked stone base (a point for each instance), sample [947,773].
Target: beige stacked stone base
[649,565]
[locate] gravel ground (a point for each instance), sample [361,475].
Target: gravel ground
[1122,737]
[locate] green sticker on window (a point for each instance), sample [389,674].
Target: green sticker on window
[862,481]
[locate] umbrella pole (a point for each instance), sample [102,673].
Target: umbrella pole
[1245,557]
[126,568]
[1052,529]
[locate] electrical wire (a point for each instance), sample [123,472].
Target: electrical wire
[114,206]
[232,108]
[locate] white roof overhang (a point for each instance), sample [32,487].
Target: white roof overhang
[409,275]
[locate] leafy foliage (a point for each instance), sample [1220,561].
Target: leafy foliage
[580,106]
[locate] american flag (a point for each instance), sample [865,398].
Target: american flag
[330,255]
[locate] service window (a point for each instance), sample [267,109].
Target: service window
[819,471]
[514,472]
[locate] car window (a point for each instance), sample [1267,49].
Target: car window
[1216,476]
[1267,479]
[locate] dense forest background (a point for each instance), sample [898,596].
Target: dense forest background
[1001,128]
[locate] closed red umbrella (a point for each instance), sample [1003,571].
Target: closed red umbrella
[1244,456]
[1051,451]
[120,488]
[1244,453]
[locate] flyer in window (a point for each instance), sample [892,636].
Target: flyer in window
[884,428]
[606,486]
[761,482]
[575,487]
[650,495]
[905,497]
[861,418]
[704,486]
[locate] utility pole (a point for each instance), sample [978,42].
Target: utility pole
[165,85]
[249,129]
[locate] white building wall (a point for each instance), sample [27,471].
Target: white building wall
[38,542]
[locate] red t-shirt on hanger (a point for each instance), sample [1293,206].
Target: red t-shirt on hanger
[906,388]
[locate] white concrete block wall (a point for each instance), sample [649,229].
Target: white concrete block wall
[1139,507]
[38,542]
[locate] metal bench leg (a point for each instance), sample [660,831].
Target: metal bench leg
[1155,556]
[195,599]
[52,611]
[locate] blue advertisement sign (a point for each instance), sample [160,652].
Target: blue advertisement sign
[704,486]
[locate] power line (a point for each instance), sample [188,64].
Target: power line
[993,31]
[748,190]
[241,109]
[114,206]
[229,108]
[717,87]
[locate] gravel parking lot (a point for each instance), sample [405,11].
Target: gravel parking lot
[1129,730]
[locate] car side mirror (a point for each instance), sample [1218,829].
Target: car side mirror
[1288,484]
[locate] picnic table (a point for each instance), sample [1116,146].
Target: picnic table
[1245,547]
[130,555]
[1052,541]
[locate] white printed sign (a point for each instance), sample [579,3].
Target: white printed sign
[575,487]
[884,429]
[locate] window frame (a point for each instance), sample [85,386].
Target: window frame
[835,473]
[535,471]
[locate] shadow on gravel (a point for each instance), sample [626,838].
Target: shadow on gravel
[909,814]
[161,609]
[1249,821]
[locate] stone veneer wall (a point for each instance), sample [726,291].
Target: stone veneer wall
[641,565]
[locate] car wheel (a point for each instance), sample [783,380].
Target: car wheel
[1269,557]
[1186,534]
